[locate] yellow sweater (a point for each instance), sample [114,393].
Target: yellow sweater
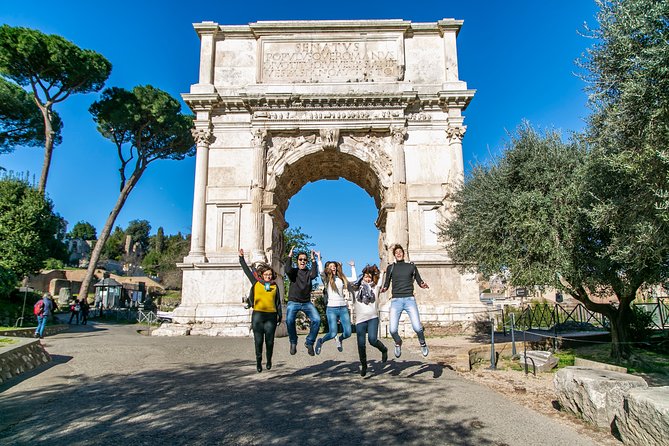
[264,300]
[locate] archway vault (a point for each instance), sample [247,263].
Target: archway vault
[357,157]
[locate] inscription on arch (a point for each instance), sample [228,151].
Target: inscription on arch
[331,59]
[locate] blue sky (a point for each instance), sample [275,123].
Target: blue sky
[518,55]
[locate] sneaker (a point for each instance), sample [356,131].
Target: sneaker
[310,349]
[398,350]
[293,349]
[424,350]
[319,346]
[340,347]
[384,356]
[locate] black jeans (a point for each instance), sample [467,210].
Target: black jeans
[263,326]
[74,314]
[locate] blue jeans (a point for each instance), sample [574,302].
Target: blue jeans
[337,313]
[312,313]
[408,304]
[41,323]
[369,328]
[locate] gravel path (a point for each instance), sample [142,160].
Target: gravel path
[108,384]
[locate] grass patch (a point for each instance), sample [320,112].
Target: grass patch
[640,361]
[565,358]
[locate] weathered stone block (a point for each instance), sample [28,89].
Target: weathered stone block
[543,361]
[643,417]
[595,395]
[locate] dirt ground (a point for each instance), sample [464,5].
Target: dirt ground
[536,393]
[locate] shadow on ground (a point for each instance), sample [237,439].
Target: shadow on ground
[324,404]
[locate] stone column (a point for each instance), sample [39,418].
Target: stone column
[455,135]
[257,192]
[203,137]
[400,187]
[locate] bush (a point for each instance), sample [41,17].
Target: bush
[641,324]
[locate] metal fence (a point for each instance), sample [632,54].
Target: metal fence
[559,316]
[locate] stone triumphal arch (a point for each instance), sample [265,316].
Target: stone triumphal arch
[280,104]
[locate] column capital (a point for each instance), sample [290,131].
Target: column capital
[259,138]
[203,136]
[456,132]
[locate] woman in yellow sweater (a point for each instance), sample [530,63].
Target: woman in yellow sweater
[265,299]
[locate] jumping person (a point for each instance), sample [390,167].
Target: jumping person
[402,275]
[366,310]
[265,299]
[299,299]
[336,308]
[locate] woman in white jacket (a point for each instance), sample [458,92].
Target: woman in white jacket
[366,308]
[335,285]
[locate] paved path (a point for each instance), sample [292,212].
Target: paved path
[108,384]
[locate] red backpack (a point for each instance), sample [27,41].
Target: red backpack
[38,309]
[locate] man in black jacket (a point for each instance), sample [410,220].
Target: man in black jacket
[299,299]
[402,275]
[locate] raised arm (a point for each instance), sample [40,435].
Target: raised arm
[353,274]
[245,267]
[314,267]
[288,263]
[319,262]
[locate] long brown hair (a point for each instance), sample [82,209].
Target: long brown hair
[331,277]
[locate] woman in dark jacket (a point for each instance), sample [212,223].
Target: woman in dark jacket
[265,299]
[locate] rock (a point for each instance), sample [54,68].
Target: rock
[643,417]
[543,361]
[594,395]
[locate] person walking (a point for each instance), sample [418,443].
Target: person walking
[85,309]
[366,310]
[402,276]
[43,312]
[299,299]
[265,299]
[336,307]
[75,308]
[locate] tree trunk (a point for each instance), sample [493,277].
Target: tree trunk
[104,235]
[620,323]
[48,147]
